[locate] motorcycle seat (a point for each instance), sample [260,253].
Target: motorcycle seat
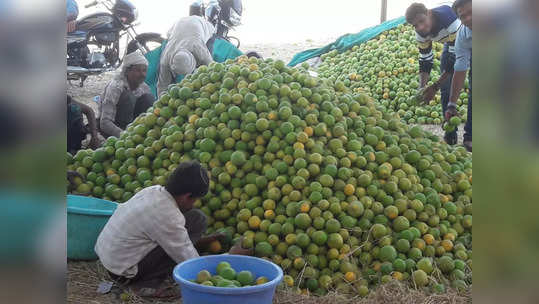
[77,34]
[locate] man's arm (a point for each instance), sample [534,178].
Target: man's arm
[202,54]
[463,56]
[456,86]
[90,116]
[173,237]
[165,76]
[108,111]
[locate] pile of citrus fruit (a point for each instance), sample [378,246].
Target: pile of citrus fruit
[387,68]
[226,276]
[314,177]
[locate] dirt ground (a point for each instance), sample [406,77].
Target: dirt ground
[84,278]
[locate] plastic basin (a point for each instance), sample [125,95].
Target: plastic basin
[193,293]
[86,217]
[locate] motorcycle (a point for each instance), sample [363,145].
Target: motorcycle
[223,14]
[94,46]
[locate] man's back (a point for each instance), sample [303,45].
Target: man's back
[148,219]
[191,27]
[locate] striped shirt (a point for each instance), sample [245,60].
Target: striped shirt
[149,219]
[445,28]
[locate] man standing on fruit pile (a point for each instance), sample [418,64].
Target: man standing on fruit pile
[156,229]
[185,50]
[125,96]
[439,24]
[463,52]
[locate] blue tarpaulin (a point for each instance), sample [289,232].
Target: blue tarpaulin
[347,41]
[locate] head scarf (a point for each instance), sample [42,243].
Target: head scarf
[183,62]
[131,59]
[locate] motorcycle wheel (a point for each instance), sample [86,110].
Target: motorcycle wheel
[146,40]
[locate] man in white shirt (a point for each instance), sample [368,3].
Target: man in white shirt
[155,230]
[185,50]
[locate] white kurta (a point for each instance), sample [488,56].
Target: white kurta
[189,34]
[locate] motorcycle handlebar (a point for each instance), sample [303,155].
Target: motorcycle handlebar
[90,4]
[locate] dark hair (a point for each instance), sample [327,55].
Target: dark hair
[188,177]
[459,3]
[414,10]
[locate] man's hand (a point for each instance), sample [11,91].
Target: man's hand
[429,93]
[450,112]
[94,142]
[238,249]
[204,241]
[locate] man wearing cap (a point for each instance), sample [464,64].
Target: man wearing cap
[185,50]
[155,230]
[125,96]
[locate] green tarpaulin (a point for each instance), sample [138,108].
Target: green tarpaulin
[347,41]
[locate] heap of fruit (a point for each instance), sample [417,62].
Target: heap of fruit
[387,69]
[226,276]
[315,178]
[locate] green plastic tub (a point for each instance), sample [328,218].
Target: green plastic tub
[86,217]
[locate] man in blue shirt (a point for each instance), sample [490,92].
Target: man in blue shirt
[439,24]
[463,52]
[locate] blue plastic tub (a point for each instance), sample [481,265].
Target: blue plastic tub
[86,217]
[193,293]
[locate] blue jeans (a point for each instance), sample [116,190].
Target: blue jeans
[468,126]
[447,62]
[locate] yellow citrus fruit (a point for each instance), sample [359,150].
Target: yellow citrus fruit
[288,280]
[215,247]
[429,239]
[350,276]
[447,245]
[254,222]
[349,189]
[261,280]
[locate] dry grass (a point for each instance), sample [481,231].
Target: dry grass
[84,278]
[390,293]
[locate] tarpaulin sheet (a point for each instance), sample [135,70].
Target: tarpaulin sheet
[347,41]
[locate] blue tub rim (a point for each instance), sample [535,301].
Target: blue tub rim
[90,211]
[228,290]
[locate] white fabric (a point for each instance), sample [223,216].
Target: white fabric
[134,58]
[183,63]
[190,34]
[150,218]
